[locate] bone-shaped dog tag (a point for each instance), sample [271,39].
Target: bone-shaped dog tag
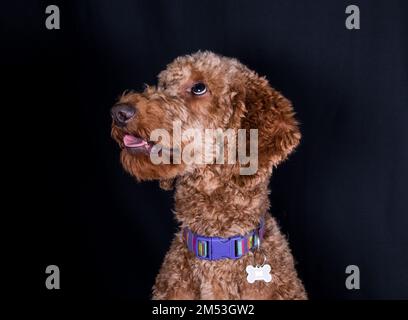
[259,273]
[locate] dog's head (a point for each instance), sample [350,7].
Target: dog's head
[200,91]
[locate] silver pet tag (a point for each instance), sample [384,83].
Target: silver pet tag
[259,273]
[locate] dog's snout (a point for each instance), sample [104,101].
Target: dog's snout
[122,113]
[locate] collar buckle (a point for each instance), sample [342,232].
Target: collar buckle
[217,248]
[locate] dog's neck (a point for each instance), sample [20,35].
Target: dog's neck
[211,203]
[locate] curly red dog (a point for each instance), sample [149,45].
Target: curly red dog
[224,217]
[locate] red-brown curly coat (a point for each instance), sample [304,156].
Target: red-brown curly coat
[214,199]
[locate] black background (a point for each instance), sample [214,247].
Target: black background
[341,198]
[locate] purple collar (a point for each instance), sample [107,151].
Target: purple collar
[216,248]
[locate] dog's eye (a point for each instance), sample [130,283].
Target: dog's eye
[198,89]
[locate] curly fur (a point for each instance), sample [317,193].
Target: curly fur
[215,200]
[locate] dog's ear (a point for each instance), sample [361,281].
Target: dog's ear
[272,114]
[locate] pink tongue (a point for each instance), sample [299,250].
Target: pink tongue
[133,142]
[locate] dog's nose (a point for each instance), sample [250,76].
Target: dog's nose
[122,113]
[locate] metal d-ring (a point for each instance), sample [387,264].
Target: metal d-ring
[253,256]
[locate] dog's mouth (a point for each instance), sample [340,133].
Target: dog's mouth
[135,144]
